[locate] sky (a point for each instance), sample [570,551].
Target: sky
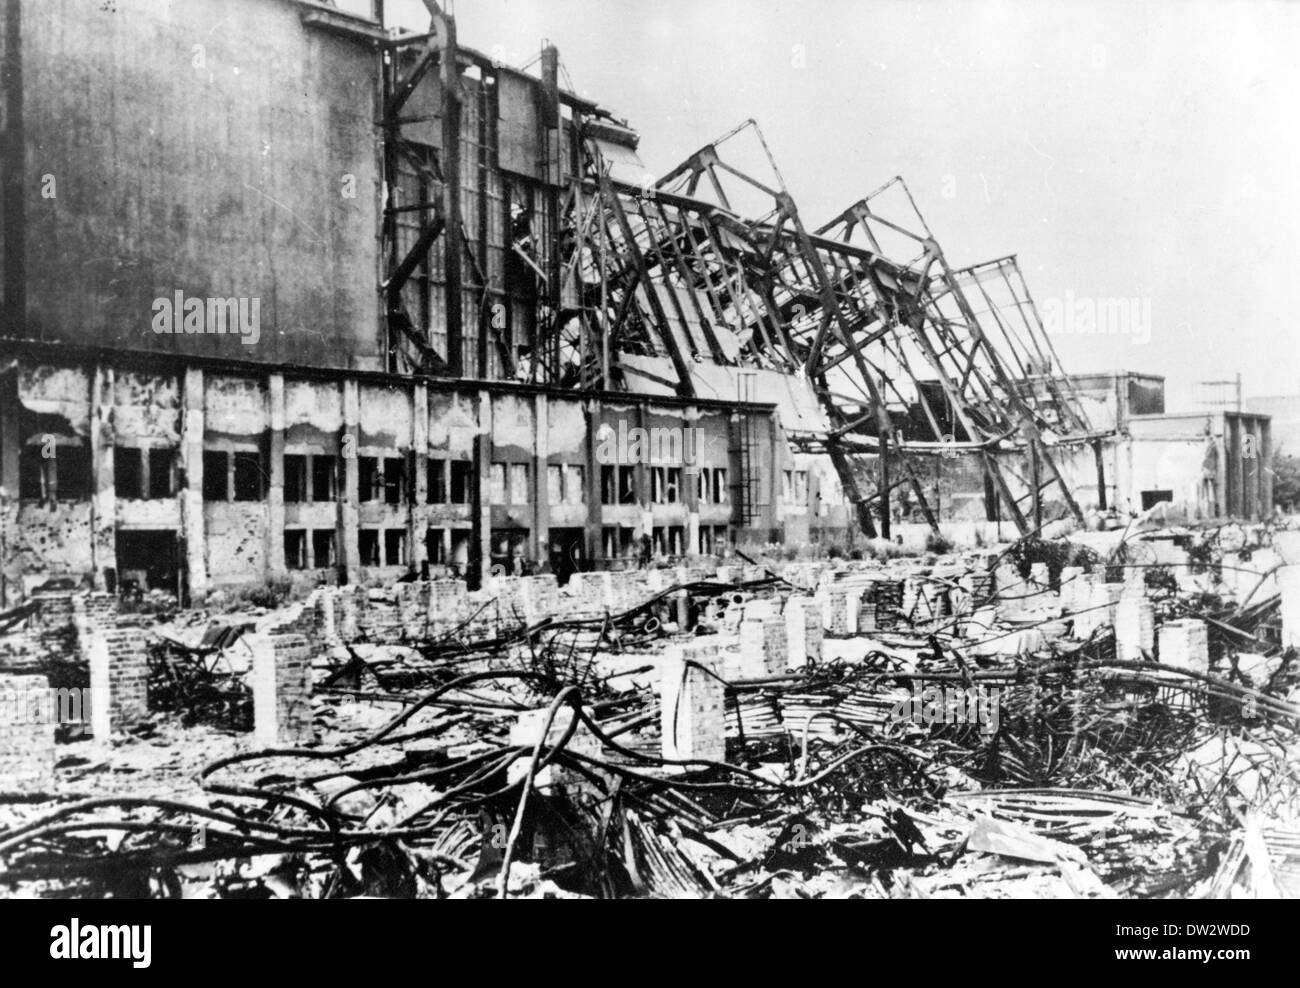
[1139,151]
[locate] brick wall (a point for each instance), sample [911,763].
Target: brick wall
[413,610]
[814,632]
[447,599]
[763,648]
[282,684]
[119,680]
[692,718]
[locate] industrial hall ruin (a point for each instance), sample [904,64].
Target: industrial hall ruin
[405,492]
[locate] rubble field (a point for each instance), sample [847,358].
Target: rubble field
[1108,715]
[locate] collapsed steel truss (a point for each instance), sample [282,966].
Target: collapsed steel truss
[669,269]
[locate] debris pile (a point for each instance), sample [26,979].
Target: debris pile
[1110,715]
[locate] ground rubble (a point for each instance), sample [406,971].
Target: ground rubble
[526,760]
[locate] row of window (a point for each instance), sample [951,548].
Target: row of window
[665,540]
[316,549]
[49,471]
[618,485]
[239,475]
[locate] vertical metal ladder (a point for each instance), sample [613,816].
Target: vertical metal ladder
[746,487]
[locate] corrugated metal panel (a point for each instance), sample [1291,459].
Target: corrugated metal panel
[795,402]
[625,164]
[518,128]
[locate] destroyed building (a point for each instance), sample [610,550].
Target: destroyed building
[691,542]
[375,302]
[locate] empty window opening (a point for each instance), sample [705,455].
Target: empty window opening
[324,478]
[395,547]
[322,548]
[250,481]
[295,548]
[368,546]
[295,479]
[436,477]
[216,479]
[128,473]
[461,481]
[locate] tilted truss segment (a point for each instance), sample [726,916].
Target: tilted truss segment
[907,356]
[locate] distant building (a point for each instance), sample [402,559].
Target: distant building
[1204,464]
[1285,412]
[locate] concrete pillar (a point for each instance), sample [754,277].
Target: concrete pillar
[1252,467]
[595,512]
[103,435]
[191,495]
[119,681]
[26,734]
[691,481]
[814,629]
[275,566]
[418,510]
[350,495]
[539,540]
[1266,467]
[641,471]
[692,718]
[480,555]
[1237,466]
[282,683]
[10,584]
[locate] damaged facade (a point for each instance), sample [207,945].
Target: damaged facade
[409,334]
[460,281]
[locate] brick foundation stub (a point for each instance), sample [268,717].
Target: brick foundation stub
[281,679]
[119,681]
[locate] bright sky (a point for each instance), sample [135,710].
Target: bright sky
[1136,150]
